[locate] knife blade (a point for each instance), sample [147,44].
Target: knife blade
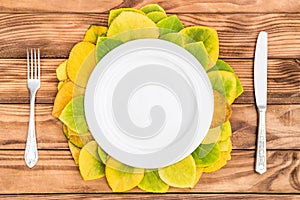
[260,90]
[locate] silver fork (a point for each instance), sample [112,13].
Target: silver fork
[33,84]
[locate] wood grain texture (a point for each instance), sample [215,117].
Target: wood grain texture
[283,127]
[56,33]
[60,174]
[283,80]
[238,33]
[14,120]
[55,26]
[13,81]
[177,6]
[57,6]
[138,196]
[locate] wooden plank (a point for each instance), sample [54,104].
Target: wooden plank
[179,6]
[138,196]
[56,33]
[14,124]
[58,174]
[13,81]
[238,33]
[283,80]
[56,6]
[283,127]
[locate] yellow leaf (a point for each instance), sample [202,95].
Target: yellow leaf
[222,111]
[152,8]
[224,157]
[212,135]
[116,12]
[90,166]
[130,25]
[226,131]
[199,172]
[60,84]
[181,174]
[75,152]
[64,96]
[93,32]
[61,71]
[79,140]
[121,177]
[77,58]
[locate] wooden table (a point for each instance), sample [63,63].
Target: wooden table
[55,26]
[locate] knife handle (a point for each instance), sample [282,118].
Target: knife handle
[261,157]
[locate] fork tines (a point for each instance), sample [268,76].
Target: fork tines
[33,63]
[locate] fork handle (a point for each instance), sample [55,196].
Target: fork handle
[31,153]
[261,157]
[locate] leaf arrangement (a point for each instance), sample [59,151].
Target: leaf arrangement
[127,24]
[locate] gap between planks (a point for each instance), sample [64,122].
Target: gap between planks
[179,6]
[55,34]
[283,87]
[58,170]
[168,196]
[283,127]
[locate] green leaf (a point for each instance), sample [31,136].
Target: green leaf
[90,166]
[219,164]
[73,115]
[206,154]
[116,12]
[181,174]
[208,36]
[199,52]
[152,8]
[225,83]
[223,66]
[156,16]
[170,24]
[152,182]
[176,38]
[225,155]
[93,32]
[105,45]
[102,155]
[67,91]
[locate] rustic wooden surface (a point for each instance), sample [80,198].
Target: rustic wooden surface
[55,27]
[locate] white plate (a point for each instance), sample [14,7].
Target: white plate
[149,103]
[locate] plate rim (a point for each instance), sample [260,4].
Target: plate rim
[164,45]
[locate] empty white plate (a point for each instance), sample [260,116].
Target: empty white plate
[149,103]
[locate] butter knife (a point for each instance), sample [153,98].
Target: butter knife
[260,88]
